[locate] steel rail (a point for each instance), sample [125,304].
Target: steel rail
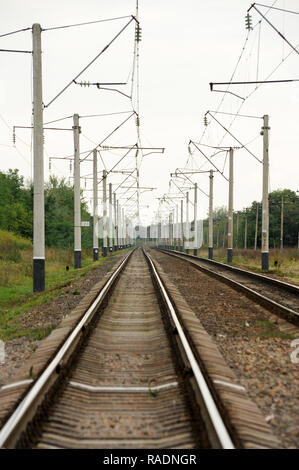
[213,413]
[243,272]
[19,419]
[286,312]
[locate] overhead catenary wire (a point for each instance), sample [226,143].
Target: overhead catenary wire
[275,29]
[258,51]
[209,160]
[276,8]
[90,63]
[244,99]
[243,145]
[15,50]
[86,23]
[235,114]
[87,116]
[109,135]
[266,13]
[15,32]
[232,77]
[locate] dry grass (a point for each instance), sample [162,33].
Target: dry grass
[283,264]
[16,295]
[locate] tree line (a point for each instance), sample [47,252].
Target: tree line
[16,210]
[16,215]
[246,221]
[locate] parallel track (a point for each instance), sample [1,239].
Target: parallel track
[279,297]
[126,377]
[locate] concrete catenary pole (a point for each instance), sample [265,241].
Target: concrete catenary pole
[182,226]
[123,221]
[237,241]
[195,221]
[230,207]
[123,227]
[118,225]
[77,201]
[177,233]
[110,219]
[115,223]
[187,222]
[95,207]
[104,213]
[170,231]
[38,158]
[265,204]
[245,232]
[211,216]
[256,225]
[281,226]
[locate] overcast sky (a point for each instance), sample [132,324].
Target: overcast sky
[185,45]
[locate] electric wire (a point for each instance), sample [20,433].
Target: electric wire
[111,133]
[90,63]
[86,23]
[232,77]
[242,145]
[277,31]
[280,9]
[14,32]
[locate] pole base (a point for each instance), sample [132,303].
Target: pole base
[38,275]
[265,261]
[229,255]
[104,251]
[195,251]
[77,259]
[110,249]
[181,248]
[210,252]
[95,254]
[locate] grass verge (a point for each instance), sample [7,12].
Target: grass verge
[17,298]
[284,265]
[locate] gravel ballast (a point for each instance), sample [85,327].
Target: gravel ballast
[251,343]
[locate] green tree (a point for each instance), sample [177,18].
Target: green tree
[15,204]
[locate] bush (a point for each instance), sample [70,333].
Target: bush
[11,246]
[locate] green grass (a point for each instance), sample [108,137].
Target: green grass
[285,264]
[269,330]
[17,298]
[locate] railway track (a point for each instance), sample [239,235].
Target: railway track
[279,297]
[119,381]
[137,371]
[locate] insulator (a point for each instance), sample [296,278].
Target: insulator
[248,21]
[138,33]
[85,183]
[205,120]
[49,164]
[43,138]
[14,137]
[189,149]
[137,121]
[70,165]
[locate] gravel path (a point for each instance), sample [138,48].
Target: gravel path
[240,329]
[49,315]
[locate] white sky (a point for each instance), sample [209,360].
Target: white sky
[185,45]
